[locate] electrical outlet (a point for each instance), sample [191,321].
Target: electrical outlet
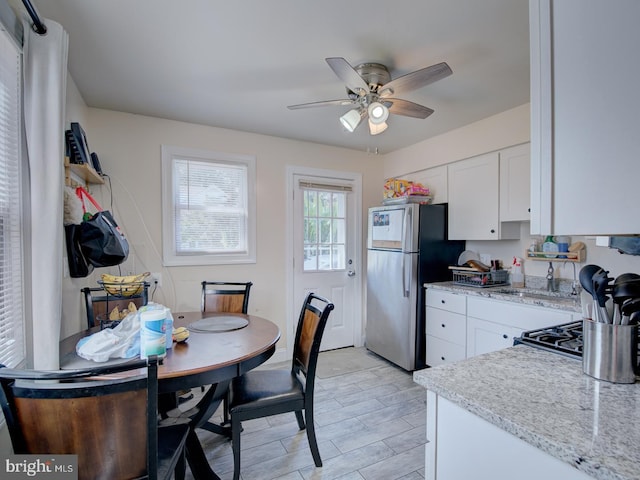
[155,279]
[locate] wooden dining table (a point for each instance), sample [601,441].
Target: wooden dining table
[220,347]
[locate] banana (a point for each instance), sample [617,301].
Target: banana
[180,334]
[132,307]
[131,284]
[106,278]
[115,314]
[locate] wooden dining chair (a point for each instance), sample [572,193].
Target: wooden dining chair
[221,297]
[230,297]
[98,303]
[262,393]
[111,424]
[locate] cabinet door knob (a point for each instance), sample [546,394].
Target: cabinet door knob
[493,231]
[443,325]
[442,301]
[529,210]
[505,336]
[441,358]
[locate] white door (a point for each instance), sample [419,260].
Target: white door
[325,255]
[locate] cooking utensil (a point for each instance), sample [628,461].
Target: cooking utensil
[628,309]
[600,282]
[625,286]
[478,265]
[586,277]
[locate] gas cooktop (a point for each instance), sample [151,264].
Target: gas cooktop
[565,339]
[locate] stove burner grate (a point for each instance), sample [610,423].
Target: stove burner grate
[565,339]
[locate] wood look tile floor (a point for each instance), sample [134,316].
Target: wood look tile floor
[370,423]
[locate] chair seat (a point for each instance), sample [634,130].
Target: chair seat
[265,389]
[171,439]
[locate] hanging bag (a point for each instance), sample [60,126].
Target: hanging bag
[79,267]
[100,239]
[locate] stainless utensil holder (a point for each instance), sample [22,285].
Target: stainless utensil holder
[610,352]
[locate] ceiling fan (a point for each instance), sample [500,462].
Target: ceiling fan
[372,92]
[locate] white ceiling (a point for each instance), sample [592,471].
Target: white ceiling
[238,64]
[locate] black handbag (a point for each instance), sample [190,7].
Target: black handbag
[79,267]
[100,239]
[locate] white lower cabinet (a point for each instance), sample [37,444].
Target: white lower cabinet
[461,445]
[446,327]
[484,336]
[493,324]
[460,326]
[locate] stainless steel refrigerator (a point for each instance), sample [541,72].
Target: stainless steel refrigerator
[407,247]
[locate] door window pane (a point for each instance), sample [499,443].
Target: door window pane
[324,230]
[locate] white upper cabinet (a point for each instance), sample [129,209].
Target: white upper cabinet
[435,179]
[515,183]
[585,99]
[474,208]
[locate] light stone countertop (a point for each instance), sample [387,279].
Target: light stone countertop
[544,399]
[525,296]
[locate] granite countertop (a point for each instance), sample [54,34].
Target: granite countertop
[526,296]
[544,399]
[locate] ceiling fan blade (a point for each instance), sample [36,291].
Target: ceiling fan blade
[407,108]
[414,80]
[348,75]
[325,103]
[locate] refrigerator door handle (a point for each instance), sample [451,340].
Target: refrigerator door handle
[407,233]
[406,275]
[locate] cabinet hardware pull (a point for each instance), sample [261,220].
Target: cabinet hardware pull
[442,358]
[442,301]
[443,325]
[505,336]
[493,231]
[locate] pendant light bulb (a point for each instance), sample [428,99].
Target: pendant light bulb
[378,113]
[351,120]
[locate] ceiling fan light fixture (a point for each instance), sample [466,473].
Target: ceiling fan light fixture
[377,128]
[378,113]
[351,119]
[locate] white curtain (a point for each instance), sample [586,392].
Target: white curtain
[45,79]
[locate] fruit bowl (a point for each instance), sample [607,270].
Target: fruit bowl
[125,286]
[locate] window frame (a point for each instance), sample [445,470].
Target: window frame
[13,319]
[170,154]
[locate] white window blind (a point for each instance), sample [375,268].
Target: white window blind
[210,216]
[12,341]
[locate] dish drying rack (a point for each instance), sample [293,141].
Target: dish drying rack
[474,278]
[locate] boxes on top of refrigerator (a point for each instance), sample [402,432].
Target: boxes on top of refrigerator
[397,190]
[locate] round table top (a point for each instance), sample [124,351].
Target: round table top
[206,357]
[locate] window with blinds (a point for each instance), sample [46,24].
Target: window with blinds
[12,338]
[208,207]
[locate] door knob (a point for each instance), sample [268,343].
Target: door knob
[351,273]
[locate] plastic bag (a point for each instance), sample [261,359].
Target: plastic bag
[122,341]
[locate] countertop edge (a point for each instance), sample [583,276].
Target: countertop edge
[528,298]
[561,450]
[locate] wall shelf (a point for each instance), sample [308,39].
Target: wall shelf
[575,257]
[83,170]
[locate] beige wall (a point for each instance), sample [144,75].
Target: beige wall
[129,150]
